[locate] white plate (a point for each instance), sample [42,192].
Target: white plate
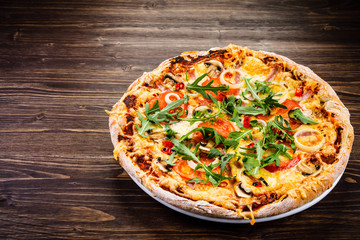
[227,220]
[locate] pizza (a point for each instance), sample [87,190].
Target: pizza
[232,133]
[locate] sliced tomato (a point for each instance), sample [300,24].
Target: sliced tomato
[264,117]
[172,97]
[184,170]
[220,95]
[222,126]
[290,105]
[283,165]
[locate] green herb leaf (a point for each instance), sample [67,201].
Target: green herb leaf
[205,115]
[207,132]
[171,159]
[298,115]
[234,138]
[214,153]
[201,89]
[214,178]
[251,110]
[155,115]
[182,149]
[196,180]
[169,132]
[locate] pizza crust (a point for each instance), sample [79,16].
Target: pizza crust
[333,103]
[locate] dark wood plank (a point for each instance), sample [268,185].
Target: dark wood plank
[63,63]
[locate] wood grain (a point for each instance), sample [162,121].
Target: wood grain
[63,63]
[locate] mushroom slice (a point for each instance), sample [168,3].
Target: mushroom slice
[214,68]
[241,190]
[309,169]
[172,77]
[309,140]
[162,165]
[202,108]
[156,134]
[205,148]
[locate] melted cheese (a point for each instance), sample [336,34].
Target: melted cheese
[183,128]
[255,67]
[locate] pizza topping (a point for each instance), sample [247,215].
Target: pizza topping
[290,105]
[202,110]
[283,165]
[206,147]
[242,191]
[307,168]
[246,122]
[167,145]
[206,88]
[211,176]
[231,78]
[298,115]
[155,115]
[169,97]
[172,78]
[162,165]
[179,86]
[214,68]
[299,92]
[259,105]
[204,113]
[130,101]
[309,140]
[222,126]
[278,128]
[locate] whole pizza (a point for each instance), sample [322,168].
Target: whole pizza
[232,133]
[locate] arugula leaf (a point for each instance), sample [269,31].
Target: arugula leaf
[201,89]
[204,115]
[265,104]
[171,159]
[250,89]
[234,138]
[182,149]
[262,87]
[169,132]
[251,164]
[214,178]
[224,160]
[214,153]
[163,114]
[298,115]
[155,115]
[207,132]
[271,133]
[145,124]
[196,180]
[251,110]
[269,102]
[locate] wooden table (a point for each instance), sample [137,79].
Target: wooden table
[62,63]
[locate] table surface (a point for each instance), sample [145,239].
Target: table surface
[62,63]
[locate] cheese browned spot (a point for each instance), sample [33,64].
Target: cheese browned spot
[130,101]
